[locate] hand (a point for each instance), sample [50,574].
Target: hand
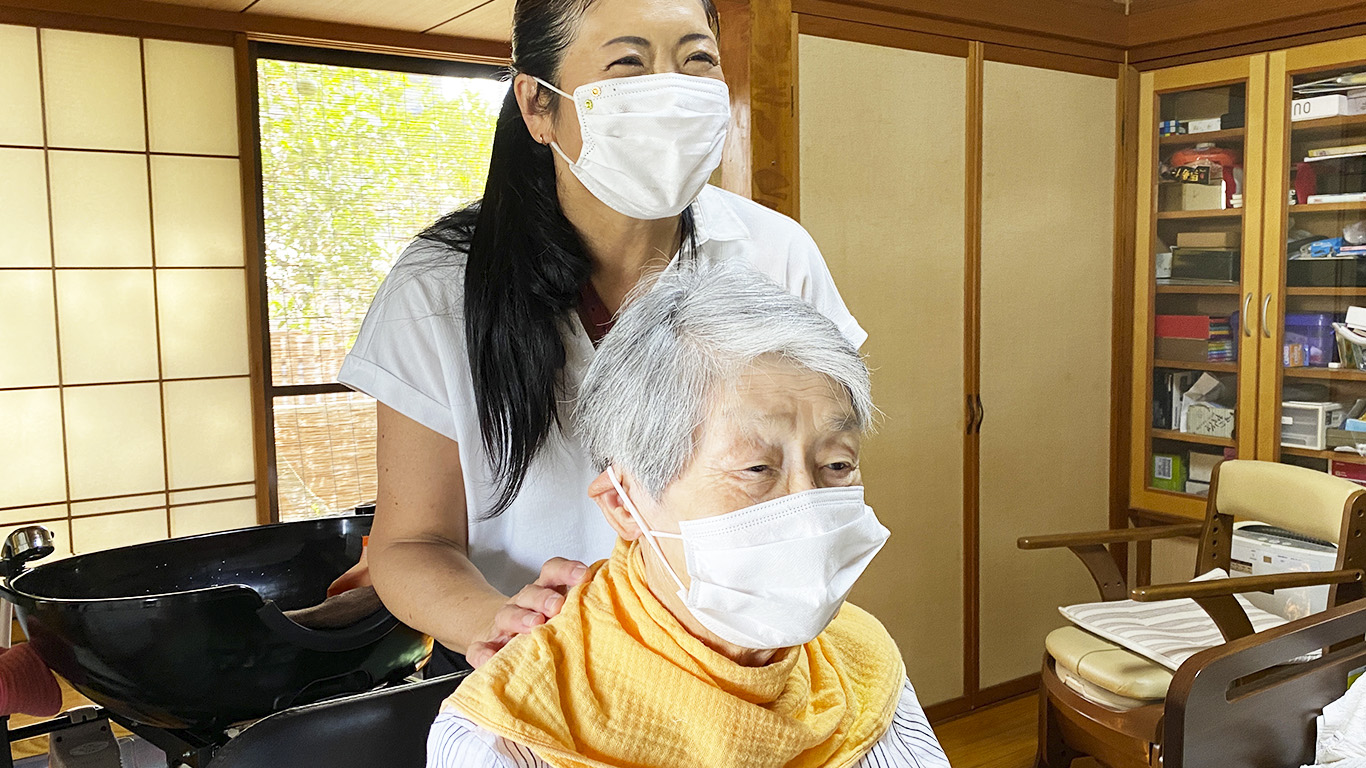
[358,576]
[536,604]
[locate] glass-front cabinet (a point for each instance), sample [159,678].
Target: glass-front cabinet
[1250,284]
[1313,375]
[1198,271]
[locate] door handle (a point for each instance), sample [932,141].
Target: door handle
[1266,329]
[1247,321]
[972,414]
[981,414]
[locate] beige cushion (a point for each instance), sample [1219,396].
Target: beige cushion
[1094,693]
[1108,666]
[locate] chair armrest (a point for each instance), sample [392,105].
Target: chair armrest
[1115,536]
[1239,584]
[1090,549]
[1216,597]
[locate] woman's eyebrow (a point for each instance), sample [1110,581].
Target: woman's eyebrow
[628,41]
[702,36]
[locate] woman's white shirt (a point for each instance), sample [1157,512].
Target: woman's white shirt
[410,355]
[456,742]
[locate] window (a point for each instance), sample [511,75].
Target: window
[358,153]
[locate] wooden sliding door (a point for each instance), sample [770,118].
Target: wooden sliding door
[883,193]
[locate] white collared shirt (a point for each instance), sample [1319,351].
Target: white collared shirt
[410,355]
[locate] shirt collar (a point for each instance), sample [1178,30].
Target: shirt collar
[716,219]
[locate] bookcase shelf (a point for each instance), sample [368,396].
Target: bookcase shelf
[1214,213]
[1191,139]
[1210,290]
[1340,374]
[1187,437]
[1182,365]
[1350,458]
[1308,208]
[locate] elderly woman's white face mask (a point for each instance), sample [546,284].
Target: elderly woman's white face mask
[773,529]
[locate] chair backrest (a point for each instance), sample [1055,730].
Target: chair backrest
[1298,499]
[385,727]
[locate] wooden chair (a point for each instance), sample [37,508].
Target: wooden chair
[1301,500]
[1244,703]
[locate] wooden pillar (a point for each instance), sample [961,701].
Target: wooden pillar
[758,54]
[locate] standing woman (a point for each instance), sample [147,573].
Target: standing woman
[478,339]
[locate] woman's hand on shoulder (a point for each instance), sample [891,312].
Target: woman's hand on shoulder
[533,606]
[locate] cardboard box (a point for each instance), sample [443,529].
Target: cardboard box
[1356,101]
[1191,197]
[1348,471]
[1168,472]
[1182,326]
[1181,350]
[1208,239]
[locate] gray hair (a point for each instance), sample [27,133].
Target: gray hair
[697,328]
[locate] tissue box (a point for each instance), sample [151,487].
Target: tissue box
[1208,419]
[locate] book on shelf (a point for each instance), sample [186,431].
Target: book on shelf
[1350,149]
[1340,197]
[1168,388]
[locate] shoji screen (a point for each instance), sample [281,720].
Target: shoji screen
[882,184]
[124,391]
[1048,149]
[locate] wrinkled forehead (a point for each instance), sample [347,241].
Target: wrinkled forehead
[772,399]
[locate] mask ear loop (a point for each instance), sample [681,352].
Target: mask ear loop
[645,529]
[555,145]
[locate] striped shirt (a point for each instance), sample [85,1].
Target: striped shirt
[456,742]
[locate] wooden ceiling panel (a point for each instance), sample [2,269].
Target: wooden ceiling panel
[1094,21]
[490,21]
[218,5]
[1158,21]
[408,15]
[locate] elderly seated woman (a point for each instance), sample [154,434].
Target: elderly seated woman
[726,415]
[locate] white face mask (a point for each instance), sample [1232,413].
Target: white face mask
[775,574]
[650,142]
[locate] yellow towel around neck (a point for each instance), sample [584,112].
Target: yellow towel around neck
[615,680]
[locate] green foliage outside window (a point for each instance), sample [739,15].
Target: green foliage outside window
[355,162]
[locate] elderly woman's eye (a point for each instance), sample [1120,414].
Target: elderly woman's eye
[840,466]
[757,468]
[628,61]
[703,57]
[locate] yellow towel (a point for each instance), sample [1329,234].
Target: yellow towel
[616,681]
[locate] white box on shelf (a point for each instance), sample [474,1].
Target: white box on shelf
[1331,105]
[1356,317]
[1305,424]
[1208,125]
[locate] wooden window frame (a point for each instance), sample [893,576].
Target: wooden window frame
[268,390]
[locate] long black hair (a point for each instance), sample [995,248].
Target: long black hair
[525,263]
